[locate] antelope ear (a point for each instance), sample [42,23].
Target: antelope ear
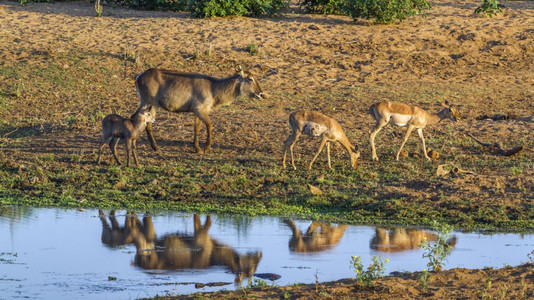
[239,69]
[149,107]
[445,104]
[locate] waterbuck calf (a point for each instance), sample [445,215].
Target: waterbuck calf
[191,92]
[115,127]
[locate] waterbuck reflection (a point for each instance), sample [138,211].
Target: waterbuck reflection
[115,235]
[318,237]
[401,239]
[181,251]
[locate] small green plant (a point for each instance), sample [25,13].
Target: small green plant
[98,8]
[385,11]
[252,49]
[516,170]
[375,270]
[256,282]
[437,252]
[424,278]
[485,294]
[489,8]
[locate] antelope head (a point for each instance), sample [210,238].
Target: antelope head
[450,111]
[249,84]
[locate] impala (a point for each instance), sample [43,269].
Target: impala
[400,114]
[319,236]
[316,124]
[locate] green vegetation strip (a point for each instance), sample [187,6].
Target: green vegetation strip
[249,187]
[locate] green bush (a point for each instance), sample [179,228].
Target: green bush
[322,6]
[489,8]
[221,8]
[23,2]
[438,252]
[384,11]
[176,5]
[375,270]
[211,8]
[266,7]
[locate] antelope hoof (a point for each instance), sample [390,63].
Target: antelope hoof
[198,150]
[207,149]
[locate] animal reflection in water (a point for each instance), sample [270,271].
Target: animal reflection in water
[400,239]
[318,237]
[179,251]
[115,235]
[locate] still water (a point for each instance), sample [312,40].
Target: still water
[69,254]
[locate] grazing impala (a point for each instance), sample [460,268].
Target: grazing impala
[316,124]
[191,92]
[401,114]
[319,237]
[400,239]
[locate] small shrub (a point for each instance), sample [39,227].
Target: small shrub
[424,279]
[326,7]
[265,7]
[489,8]
[256,282]
[175,5]
[437,252]
[516,170]
[222,8]
[252,49]
[384,11]
[23,2]
[212,8]
[98,8]
[485,294]
[375,270]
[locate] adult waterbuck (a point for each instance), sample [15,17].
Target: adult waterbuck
[191,92]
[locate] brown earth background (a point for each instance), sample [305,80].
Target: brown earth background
[484,66]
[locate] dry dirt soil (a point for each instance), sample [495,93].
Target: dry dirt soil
[506,283]
[63,69]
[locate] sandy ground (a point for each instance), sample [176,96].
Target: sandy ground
[484,66]
[506,283]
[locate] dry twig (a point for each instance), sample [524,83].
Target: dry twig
[497,147]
